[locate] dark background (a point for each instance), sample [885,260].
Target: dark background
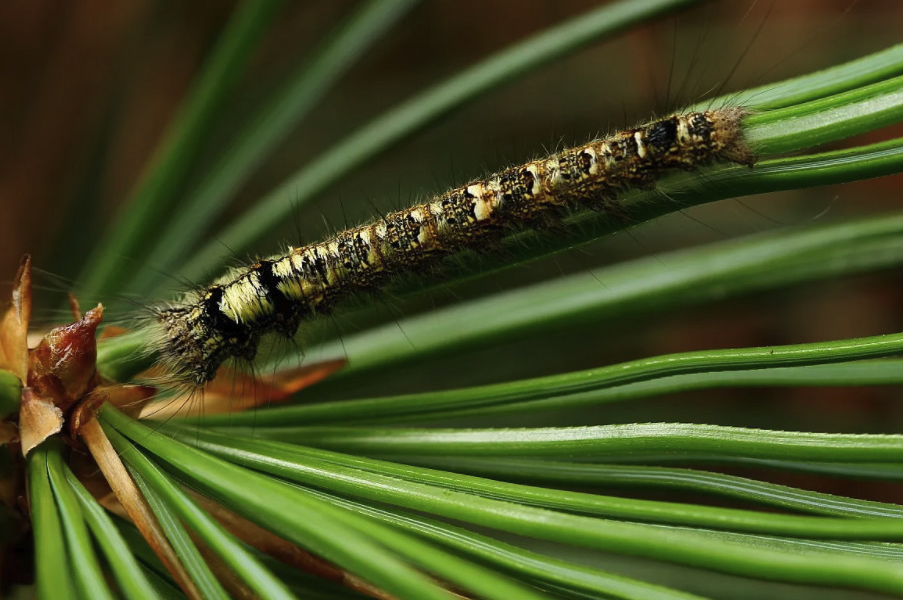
[89,87]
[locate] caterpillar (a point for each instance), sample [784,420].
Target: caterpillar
[227,319]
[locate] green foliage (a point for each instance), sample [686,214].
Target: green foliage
[500,507]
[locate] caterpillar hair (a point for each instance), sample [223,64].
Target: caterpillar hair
[275,295]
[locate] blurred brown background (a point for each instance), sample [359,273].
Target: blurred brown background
[89,87]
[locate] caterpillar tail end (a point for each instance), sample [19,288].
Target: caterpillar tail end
[729,127]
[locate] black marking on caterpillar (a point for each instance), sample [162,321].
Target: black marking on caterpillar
[227,319]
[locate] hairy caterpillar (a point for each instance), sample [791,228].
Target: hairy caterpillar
[228,318]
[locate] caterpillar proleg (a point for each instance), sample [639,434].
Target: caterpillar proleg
[275,295]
